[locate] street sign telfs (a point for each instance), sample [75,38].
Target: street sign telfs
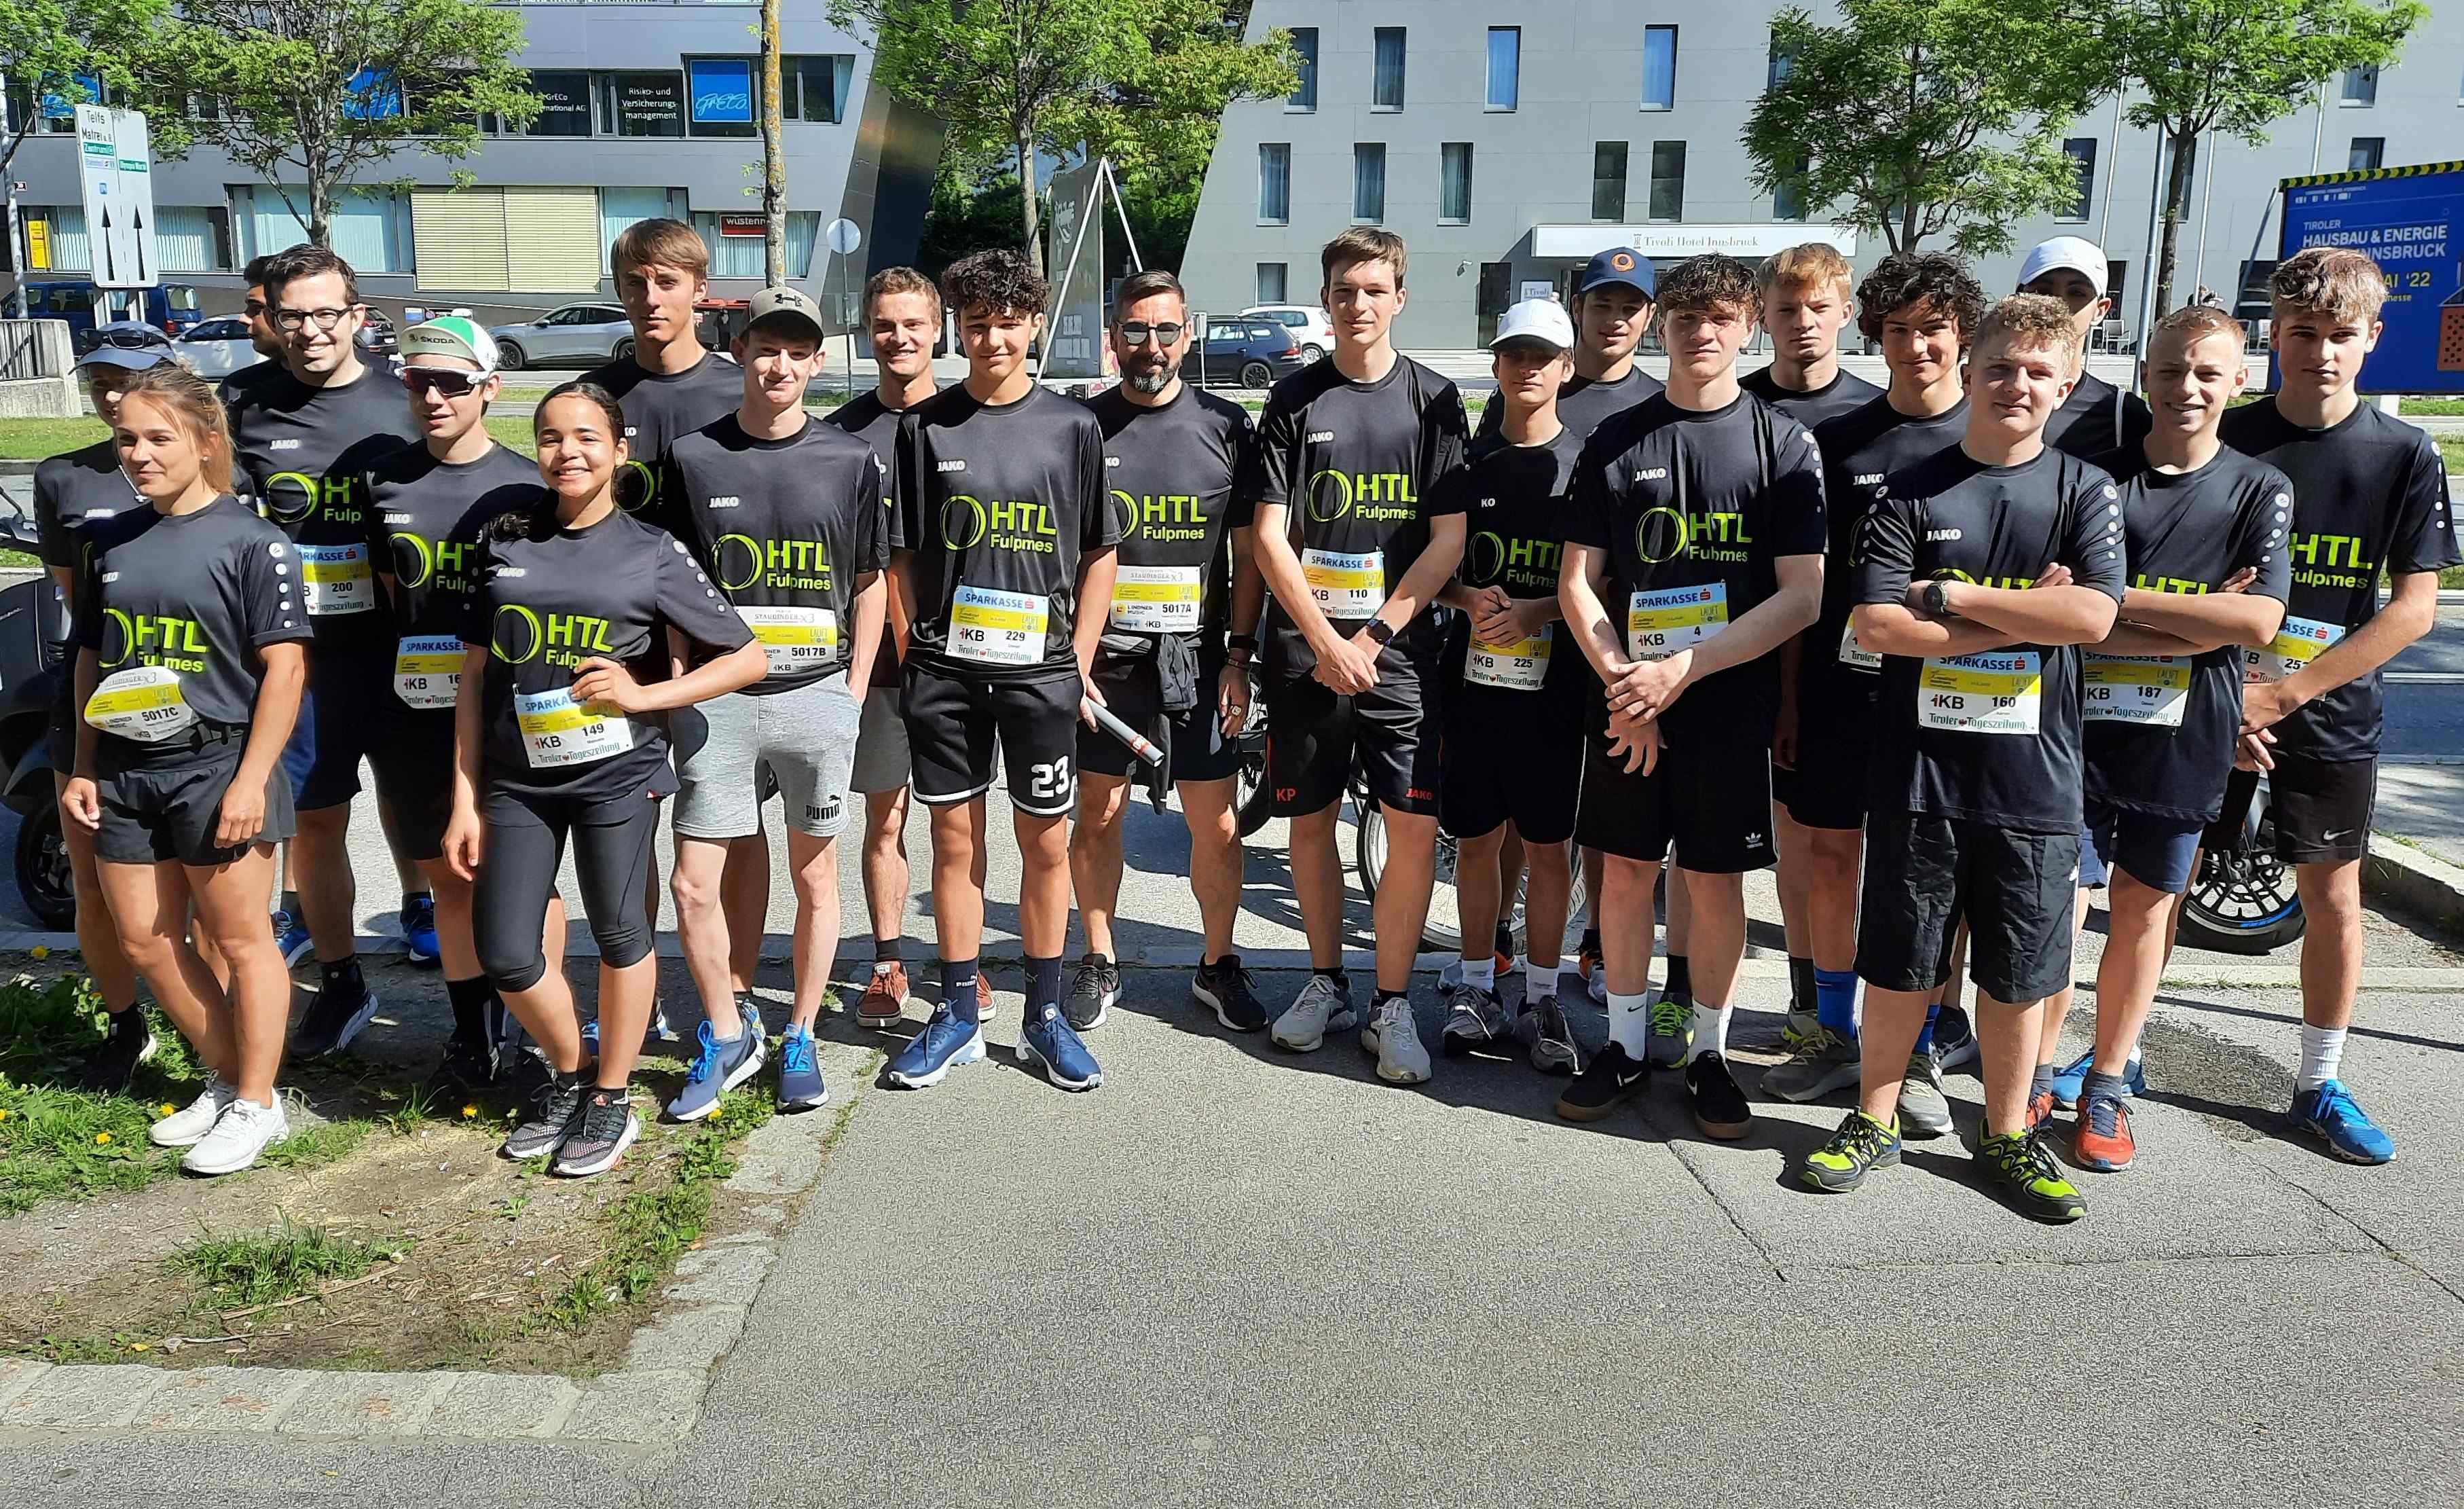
[115,170]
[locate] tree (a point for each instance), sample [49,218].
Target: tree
[774,154]
[59,47]
[1917,118]
[1143,81]
[315,92]
[2237,67]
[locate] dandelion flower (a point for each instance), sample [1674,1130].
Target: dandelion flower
[39,951]
[102,1139]
[470,1111]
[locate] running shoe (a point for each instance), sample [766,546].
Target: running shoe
[1049,1043]
[607,1128]
[942,1044]
[291,936]
[1827,1062]
[1672,1033]
[985,1004]
[1798,1030]
[800,1073]
[1092,990]
[188,1126]
[722,1064]
[555,1114]
[1393,1033]
[657,1034]
[1925,1107]
[2102,1143]
[2072,1077]
[243,1131]
[2331,1114]
[2040,1111]
[1543,1028]
[1231,994]
[2017,1165]
[128,1043]
[1612,1077]
[418,929]
[1954,1038]
[524,1071]
[1594,971]
[1860,1145]
[1474,1020]
[1720,1108]
[335,1015]
[465,1068]
[885,995]
[1322,1007]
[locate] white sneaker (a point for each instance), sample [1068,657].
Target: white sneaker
[187,1128]
[1322,1007]
[246,1129]
[1394,1035]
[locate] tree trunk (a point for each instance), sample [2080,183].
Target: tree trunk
[2177,192]
[320,210]
[774,156]
[1028,202]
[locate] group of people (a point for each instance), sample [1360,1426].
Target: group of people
[1948,652]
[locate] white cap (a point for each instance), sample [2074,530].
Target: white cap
[1537,320]
[2074,253]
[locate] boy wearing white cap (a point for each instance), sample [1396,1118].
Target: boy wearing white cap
[2098,416]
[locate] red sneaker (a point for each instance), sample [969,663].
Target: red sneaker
[2103,1142]
[884,997]
[2041,1110]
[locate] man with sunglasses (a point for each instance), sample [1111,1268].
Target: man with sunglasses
[1165,667]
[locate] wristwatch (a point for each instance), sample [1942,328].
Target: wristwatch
[1380,630]
[1937,600]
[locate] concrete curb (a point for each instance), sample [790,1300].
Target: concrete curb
[2415,879]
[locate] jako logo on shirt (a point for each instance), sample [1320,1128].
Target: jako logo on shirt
[731,500]
[948,466]
[1932,535]
[1320,437]
[1654,474]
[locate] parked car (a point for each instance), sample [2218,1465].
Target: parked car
[577,335]
[1309,327]
[217,347]
[170,308]
[377,340]
[1243,352]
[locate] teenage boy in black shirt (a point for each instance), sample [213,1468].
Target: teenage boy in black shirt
[2369,494]
[1979,573]
[2098,418]
[1354,545]
[1699,516]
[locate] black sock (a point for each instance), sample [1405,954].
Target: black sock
[1681,983]
[1336,978]
[1043,984]
[1505,940]
[959,988]
[342,974]
[470,998]
[1591,941]
[885,950]
[1101,960]
[408,897]
[129,1020]
[290,902]
[1800,983]
[1384,996]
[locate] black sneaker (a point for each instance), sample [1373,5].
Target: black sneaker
[1954,1038]
[555,1112]
[467,1068]
[130,1042]
[607,1128]
[1720,1107]
[1231,994]
[1611,1078]
[335,1015]
[1093,991]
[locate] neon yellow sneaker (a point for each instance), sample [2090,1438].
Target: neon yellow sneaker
[1860,1145]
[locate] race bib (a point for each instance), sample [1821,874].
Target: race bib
[143,704]
[1157,599]
[1659,623]
[1348,587]
[1853,654]
[339,579]
[2295,644]
[794,639]
[428,670]
[559,731]
[1517,667]
[998,627]
[2148,690]
[1992,692]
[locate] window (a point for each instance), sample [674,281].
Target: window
[1368,181]
[2082,152]
[1454,183]
[1386,87]
[372,226]
[2362,86]
[1778,67]
[1505,66]
[543,239]
[1274,183]
[1608,180]
[2116,275]
[1668,180]
[189,238]
[622,208]
[741,256]
[2367,153]
[641,104]
[1788,200]
[1660,68]
[723,96]
[1273,278]
[816,88]
[565,103]
[1304,95]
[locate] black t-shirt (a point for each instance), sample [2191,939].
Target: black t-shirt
[192,598]
[2160,738]
[1935,748]
[1583,403]
[304,453]
[2370,496]
[2096,420]
[1859,449]
[787,528]
[1177,475]
[1845,393]
[547,599]
[1000,506]
[1695,508]
[1514,500]
[72,491]
[1358,466]
[424,519]
[876,424]
[659,408]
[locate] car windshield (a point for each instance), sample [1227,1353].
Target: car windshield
[182,297]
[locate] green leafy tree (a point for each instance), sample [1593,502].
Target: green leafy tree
[1913,120]
[316,93]
[47,46]
[1144,81]
[2236,67]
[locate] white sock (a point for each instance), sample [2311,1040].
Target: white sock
[1481,971]
[1630,1022]
[1710,1031]
[1540,980]
[2322,1055]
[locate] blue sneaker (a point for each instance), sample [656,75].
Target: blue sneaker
[723,1064]
[291,936]
[2072,1077]
[655,1036]
[944,1044]
[2332,1114]
[1051,1043]
[800,1076]
[418,929]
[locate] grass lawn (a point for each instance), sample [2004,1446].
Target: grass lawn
[2434,406]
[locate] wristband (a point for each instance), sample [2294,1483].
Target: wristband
[1247,644]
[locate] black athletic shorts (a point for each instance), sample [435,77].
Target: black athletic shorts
[1708,798]
[2017,891]
[1200,751]
[414,768]
[2322,807]
[1395,730]
[1827,788]
[1513,756]
[954,722]
[166,804]
[345,712]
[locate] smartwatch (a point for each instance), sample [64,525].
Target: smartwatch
[1380,631]
[1937,600]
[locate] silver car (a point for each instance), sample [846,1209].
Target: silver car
[217,347]
[577,335]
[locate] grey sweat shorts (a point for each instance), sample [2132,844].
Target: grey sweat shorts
[800,744]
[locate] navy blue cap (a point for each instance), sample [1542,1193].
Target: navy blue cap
[132,343]
[1618,265]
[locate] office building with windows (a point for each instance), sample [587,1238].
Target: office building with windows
[649,111]
[1507,143]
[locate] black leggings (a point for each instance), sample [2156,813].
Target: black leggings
[525,844]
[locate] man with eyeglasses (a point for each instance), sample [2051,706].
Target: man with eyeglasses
[304,436]
[1173,661]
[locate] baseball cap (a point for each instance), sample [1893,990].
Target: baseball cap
[131,343]
[785,304]
[2072,253]
[1537,320]
[1618,265]
[450,335]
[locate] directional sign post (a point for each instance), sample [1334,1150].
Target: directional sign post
[115,167]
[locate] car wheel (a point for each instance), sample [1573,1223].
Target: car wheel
[624,351]
[1257,374]
[510,356]
[43,875]
[1313,353]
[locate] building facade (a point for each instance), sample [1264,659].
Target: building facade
[649,111]
[1508,141]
